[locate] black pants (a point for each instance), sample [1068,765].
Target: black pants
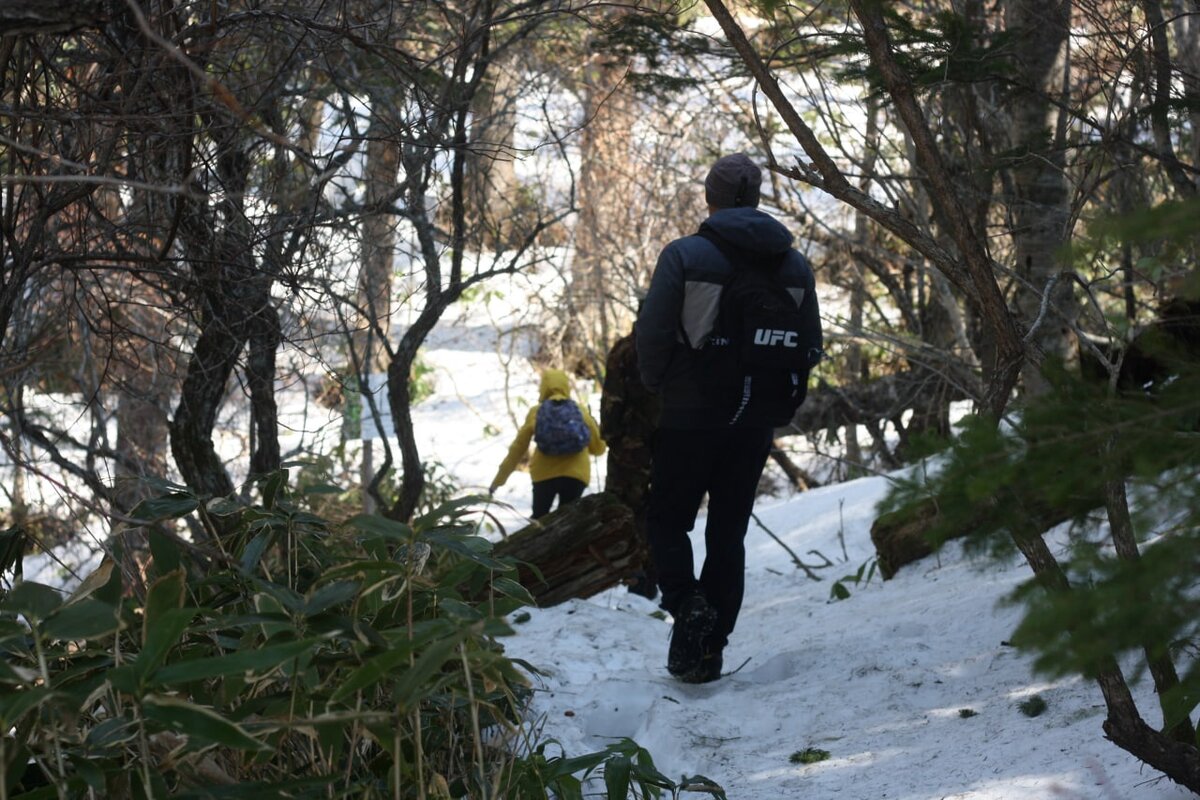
[567,490]
[727,464]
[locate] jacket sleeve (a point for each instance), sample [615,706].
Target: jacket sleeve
[517,450]
[596,445]
[810,311]
[658,323]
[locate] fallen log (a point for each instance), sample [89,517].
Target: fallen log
[576,551]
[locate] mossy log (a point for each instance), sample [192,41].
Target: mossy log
[577,551]
[900,536]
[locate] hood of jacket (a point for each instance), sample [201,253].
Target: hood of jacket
[555,386]
[749,229]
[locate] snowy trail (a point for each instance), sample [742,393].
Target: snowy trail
[878,681]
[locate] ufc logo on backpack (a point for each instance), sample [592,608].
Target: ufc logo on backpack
[772,337]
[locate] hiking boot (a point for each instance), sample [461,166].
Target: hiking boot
[693,624]
[708,670]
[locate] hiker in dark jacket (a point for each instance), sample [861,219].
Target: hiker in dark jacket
[697,450]
[554,476]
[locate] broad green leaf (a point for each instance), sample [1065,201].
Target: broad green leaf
[381,527]
[164,621]
[254,550]
[225,507]
[616,778]
[13,673]
[450,510]
[85,767]
[323,488]
[164,634]
[198,723]
[416,679]
[513,589]
[11,629]
[372,671]
[87,619]
[287,598]
[163,485]
[474,548]
[256,660]
[34,601]
[274,488]
[329,595]
[112,733]
[15,705]
[169,506]
[164,550]
[460,610]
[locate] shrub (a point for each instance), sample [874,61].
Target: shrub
[299,658]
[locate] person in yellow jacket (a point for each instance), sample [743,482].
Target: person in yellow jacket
[562,476]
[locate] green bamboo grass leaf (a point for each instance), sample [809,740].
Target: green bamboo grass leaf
[256,661]
[164,550]
[322,489]
[508,586]
[112,733]
[474,548]
[413,682]
[16,674]
[11,629]
[169,506]
[374,670]
[164,621]
[164,634]
[200,724]
[34,601]
[329,595]
[87,619]
[381,527]
[254,551]
[16,705]
[616,777]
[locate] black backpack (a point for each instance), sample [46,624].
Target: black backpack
[560,429]
[755,363]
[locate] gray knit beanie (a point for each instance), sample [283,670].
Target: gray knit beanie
[733,181]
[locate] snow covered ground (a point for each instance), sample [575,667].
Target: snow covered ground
[885,681]
[908,685]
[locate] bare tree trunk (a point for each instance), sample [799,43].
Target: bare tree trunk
[1160,107]
[1039,208]
[1187,47]
[236,310]
[375,276]
[604,151]
[496,203]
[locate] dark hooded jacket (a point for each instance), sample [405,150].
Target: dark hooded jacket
[681,306]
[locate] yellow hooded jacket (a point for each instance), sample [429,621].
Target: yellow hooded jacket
[542,467]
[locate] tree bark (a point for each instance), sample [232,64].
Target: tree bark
[604,151]
[375,276]
[1160,106]
[579,550]
[1040,205]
